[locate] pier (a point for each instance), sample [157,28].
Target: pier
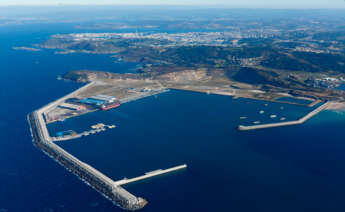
[287,123]
[149,175]
[85,172]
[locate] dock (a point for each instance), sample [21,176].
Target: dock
[149,175]
[287,123]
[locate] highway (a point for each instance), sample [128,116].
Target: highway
[149,175]
[287,123]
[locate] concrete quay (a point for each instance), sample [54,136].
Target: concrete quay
[287,123]
[149,175]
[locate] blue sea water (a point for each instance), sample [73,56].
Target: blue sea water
[297,168]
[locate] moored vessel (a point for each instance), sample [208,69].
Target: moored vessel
[110,106]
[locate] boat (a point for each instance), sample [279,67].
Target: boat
[273,116]
[262,112]
[243,117]
[256,122]
[110,106]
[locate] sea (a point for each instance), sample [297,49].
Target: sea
[289,169]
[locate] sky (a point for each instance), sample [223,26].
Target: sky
[228,3]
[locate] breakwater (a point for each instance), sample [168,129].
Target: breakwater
[88,174]
[91,176]
[287,123]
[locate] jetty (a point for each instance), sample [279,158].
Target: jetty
[287,123]
[149,175]
[97,180]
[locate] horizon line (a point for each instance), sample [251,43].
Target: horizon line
[214,6]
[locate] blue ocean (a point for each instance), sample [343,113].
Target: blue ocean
[298,168]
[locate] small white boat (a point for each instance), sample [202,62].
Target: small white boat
[273,116]
[262,112]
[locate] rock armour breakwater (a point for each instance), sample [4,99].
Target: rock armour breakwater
[89,175]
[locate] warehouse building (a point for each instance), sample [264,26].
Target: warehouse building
[92,101]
